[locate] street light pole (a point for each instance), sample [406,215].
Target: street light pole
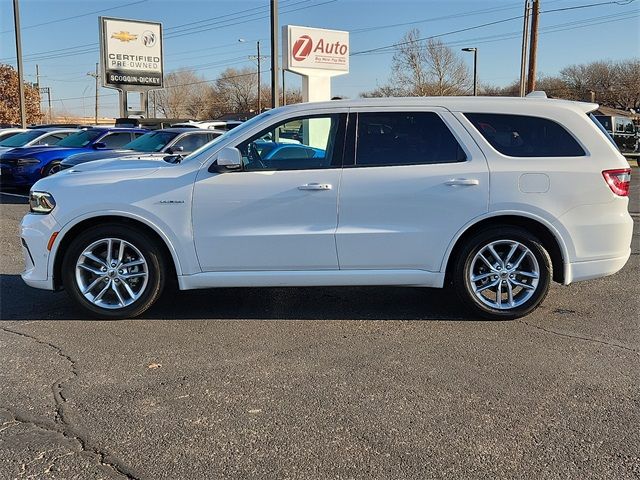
[16,23]
[475,68]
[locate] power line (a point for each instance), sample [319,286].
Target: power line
[390,48]
[549,29]
[77,16]
[92,47]
[206,20]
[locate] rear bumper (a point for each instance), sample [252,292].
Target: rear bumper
[579,271]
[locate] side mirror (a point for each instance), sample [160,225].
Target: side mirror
[175,149]
[229,159]
[99,145]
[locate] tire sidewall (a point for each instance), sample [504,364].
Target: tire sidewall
[48,168]
[476,243]
[147,246]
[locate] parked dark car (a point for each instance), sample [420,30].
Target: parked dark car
[22,167]
[622,130]
[159,142]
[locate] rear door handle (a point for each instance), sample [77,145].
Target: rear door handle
[462,181]
[315,186]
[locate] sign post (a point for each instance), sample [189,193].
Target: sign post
[131,58]
[316,54]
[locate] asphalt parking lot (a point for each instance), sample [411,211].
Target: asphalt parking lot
[371,383]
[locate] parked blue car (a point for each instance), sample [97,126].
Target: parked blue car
[22,167]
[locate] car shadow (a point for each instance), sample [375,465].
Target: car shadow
[20,302]
[14,197]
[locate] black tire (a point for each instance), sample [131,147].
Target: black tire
[466,288]
[52,168]
[155,269]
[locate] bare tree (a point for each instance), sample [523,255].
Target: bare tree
[185,94]
[614,84]
[447,73]
[408,66]
[420,69]
[235,90]
[383,91]
[628,75]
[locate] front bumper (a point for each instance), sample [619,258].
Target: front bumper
[14,176]
[35,232]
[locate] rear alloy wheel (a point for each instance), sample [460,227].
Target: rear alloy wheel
[503,273]
[113,271]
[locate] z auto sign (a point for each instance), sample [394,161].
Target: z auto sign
[131,53]
[316,49]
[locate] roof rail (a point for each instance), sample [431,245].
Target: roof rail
[537,94]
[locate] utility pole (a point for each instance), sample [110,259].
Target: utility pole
[258,58]
[525,41]
[275,97]
[533,48]
[38,87]
[16,24]
[96,75]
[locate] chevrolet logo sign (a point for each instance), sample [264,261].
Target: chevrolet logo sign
[124,36]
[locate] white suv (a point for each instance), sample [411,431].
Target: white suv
[498,196]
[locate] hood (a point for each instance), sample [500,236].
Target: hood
[101,172]
[22,152]
[119,165]
[78,158]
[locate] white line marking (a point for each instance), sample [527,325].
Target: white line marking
[15,195]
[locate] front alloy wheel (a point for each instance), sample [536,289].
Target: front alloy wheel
[114,271]
[503,273]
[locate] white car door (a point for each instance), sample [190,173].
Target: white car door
[410,183]
[279,212]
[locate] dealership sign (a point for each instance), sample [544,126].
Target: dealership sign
[131,54]
[315,51]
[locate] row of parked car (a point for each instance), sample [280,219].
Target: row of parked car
[26,155]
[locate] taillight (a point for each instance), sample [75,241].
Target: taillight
[618,180]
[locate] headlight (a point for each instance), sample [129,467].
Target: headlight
[27,161]
[41,202]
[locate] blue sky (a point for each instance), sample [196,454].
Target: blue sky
[66,48]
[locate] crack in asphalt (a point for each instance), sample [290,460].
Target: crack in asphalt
[579,337]
[61,423]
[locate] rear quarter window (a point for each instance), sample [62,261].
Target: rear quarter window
[525,136]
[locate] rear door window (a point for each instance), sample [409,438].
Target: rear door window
[193,141]
[53,139]
[525,136]
[405,138]
[116,140]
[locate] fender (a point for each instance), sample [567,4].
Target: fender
[564,248]
[112,213]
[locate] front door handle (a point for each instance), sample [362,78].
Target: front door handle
[462,181]
[315,186]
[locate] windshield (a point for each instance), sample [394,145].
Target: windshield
[80,139]
[151,142]
[236,131]
[21,139]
